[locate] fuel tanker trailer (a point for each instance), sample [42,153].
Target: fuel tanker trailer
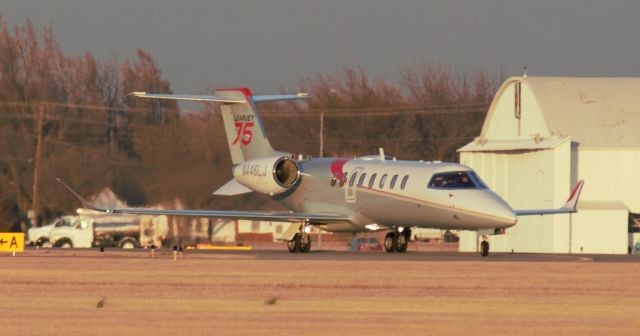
[92,229]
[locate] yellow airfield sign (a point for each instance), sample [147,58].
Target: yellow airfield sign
[11,241]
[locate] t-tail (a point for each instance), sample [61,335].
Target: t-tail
[246,135]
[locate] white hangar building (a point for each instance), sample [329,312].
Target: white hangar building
[543,134]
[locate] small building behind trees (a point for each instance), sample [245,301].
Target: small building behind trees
[543,134]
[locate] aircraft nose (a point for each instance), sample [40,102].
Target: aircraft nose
[505,214]
[499,210]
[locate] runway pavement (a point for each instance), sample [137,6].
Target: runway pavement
[269,254]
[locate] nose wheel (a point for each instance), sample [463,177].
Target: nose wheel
[396,241]
[484,248]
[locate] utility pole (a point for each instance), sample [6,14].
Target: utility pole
[322,133]
[35,201]
[321,155]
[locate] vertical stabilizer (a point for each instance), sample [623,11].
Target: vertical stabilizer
[245,133]
[246,136]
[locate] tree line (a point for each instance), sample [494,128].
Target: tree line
[71,117]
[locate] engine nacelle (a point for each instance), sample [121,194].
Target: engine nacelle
[270,175]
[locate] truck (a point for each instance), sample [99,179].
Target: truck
[94,229]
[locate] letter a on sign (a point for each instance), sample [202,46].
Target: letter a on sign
[11,241]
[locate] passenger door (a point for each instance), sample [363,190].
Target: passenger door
[351,185]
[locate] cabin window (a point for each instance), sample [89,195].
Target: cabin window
[361,180]
[455,180]
[343,179]
[334,179]
[352,180]
[404,182]
[372,180]
[393,181]
[382,180]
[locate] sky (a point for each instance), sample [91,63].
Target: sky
[268,45]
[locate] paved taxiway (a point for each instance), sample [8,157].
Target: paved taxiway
[343,255]
[269,292]
[427,256]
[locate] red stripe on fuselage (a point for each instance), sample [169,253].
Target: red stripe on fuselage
[337,167]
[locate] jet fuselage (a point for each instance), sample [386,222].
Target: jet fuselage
[386,193]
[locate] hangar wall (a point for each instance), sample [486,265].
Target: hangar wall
[612,174]
[526,180]
[543,134]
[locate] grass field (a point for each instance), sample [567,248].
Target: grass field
[58,293]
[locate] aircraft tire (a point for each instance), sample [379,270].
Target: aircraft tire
[403,240]
[391,242]
[305,246]
[484,248]
[402,243]
[294,244]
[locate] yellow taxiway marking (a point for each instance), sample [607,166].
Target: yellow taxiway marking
[227,248]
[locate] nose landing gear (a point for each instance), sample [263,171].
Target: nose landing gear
[397,240]
[484,248]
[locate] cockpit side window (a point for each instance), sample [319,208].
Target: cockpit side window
[452,180]
[477,180]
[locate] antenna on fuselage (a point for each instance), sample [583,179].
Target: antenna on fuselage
[381,151]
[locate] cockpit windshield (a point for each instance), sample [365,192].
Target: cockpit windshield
[456,180]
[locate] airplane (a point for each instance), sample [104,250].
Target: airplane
[369,193]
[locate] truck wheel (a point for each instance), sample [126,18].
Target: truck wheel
[64,243]
[127,244]
[43,242]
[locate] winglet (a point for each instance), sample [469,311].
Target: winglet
[85,204]
[575,195]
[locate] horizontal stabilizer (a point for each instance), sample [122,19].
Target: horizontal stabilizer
[232,188]
[568,207]
[220,98]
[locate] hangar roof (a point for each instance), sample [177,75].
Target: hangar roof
[594,112]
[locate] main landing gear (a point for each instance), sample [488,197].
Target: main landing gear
[397,240]
[301,242]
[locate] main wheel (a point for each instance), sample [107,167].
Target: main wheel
[484,248]
[294,244]
[305,244]
[402,243]
[391,242]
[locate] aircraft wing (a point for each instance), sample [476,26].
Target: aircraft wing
[317,218]
[568,207]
